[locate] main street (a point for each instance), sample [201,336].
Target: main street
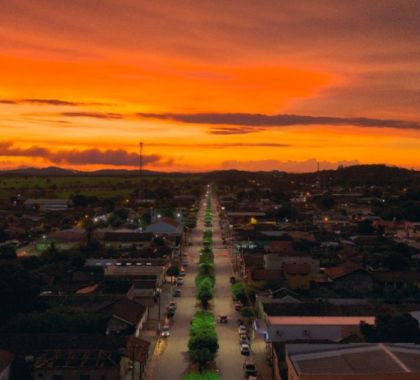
[229,359]
[170,359]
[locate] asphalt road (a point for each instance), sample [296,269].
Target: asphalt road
[171,354]
[229,359]
[170,360]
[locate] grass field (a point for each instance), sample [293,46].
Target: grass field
[65,186]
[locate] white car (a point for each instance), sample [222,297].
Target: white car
[165,331]
[242,329]
[245,350]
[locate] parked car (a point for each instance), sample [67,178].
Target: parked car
[185,263]
[249,368]
[223,319]
[245,350]
[182,273]
[238,306]
[242,330]
[165,331]
[243,339]
[170,313]
[171,308]
[177,293]
[232,280]
[179,281]
[172,304]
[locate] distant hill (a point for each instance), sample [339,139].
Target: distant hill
[351,175]
[57,171]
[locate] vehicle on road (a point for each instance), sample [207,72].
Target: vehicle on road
[177,293]
[250,368]
[185,263]
[179,281]
[232,280]
[171,308]
[245,350]
[172,304]
[238,306]
[170,313]
[243,339]
[182,273]
[242,330]
[223,319]
[165,331]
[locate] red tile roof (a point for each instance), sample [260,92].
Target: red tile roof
[303,269]
[129,311]
[342,270]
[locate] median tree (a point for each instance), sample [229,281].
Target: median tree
[205,292]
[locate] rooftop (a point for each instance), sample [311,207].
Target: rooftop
[355,358]
[320,321]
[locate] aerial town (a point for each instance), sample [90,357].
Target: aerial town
[209,190]
[224,274]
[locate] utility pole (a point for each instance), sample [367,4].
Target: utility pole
[140,168]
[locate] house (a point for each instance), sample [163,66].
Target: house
[165,226]
[6,359]
[354,361]
[296,327]
[136,354]
[135,271]
[127,317]
[278,260]
[396,280]
[297,276]
[350,277]
[67,239]
[124,238]
[70,356]
[69,364]
[144,291]
[44,204]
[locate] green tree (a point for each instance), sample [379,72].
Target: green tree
[201,357]
[205,292]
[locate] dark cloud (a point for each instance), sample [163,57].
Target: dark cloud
[95,115]
[248,121]
[47,102]
[116,157]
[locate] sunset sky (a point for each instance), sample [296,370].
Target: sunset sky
[255,85]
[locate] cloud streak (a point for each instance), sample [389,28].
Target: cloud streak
[115,157]
[95,115]
[248,122]
[47,102]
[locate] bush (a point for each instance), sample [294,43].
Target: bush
[240,290]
